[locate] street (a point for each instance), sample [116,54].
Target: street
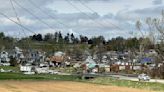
[136,79]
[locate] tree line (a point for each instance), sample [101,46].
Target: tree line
[57,38]
[114,44]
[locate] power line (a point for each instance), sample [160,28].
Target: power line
[95,11]
[86,6]
[44,12]
[17,23]
[17,16]
[18,19]
[33,15]
[83,12]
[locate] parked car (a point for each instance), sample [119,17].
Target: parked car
[143,77]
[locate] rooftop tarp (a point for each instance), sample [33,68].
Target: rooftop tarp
[147,60]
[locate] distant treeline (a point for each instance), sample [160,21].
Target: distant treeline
[115,44]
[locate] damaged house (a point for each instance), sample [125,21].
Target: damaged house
[57,59]
[4,58]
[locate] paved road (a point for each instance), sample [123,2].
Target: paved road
[136,79]
[131,77]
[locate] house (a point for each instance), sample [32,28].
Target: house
[18,54]
[90,66]
[151,52]
[35,57]
[57,59]
[4,58]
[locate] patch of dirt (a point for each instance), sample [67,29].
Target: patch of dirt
[59,86]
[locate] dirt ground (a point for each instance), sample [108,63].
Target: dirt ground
[58,86]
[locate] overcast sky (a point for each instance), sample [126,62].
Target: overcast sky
[110,18]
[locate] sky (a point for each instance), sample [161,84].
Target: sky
[109,18]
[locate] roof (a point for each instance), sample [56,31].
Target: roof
[56,59]
[59,53]
[147,60]
[90,60]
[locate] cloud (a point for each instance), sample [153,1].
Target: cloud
[86,1]
[134,15]
[157,2]
[78,22]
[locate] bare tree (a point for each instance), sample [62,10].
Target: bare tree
[156,35]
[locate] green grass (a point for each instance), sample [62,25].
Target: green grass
[19,76]
[10,68]
[125,83]
[101,81]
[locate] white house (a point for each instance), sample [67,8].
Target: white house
[4,58]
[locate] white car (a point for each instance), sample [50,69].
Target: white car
[143,77]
